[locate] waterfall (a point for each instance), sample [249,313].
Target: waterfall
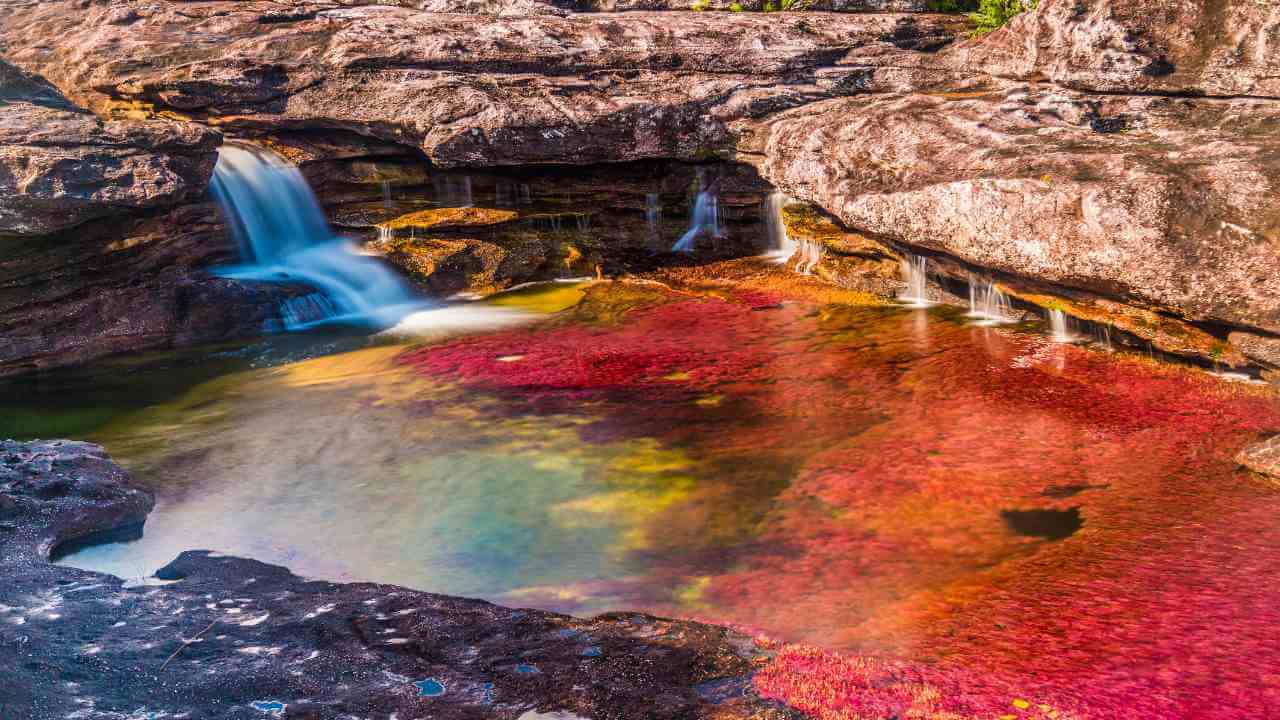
[1061,327]
[705,219]
[811,253]
[781,246]
[653,219]
[915,273]
[283,237]
[1103,337]
[987,304]
[526,197]
[386,194]
[583,221]
[453,191]
[385,233]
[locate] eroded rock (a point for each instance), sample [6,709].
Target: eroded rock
[1178,211]
[61,166]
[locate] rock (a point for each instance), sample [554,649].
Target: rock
[60,166]
[584,89]
[234,638]
[1225,48]
[1165,203]
[1262,458]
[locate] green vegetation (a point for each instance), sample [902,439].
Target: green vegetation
[952,6]
[700,5]
[736,7]
[993,14]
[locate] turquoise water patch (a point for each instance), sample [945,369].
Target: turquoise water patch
[430,687]
[274,708]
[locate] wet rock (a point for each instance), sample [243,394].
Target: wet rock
[1177,213]
[61,166]
[233,638]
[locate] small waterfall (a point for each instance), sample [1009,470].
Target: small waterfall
[705,219]
[987,304]
[283,237]
[915,273]
[1102,335]
[526,197]
[781,246]
[1062,327]
[385,233]
[583,221]
[810,255]
[386,194]
[453,191]
[653,219]
[306,310]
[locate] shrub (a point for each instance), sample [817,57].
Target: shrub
[736,7]
[952,6]
[700,5]
[992,14]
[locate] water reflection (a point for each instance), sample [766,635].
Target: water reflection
[882,480]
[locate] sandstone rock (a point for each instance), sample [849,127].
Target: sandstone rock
[235,638]
[582,89]
[1263,458]
[1193,47]
[60,166]
[1167,203]
[125,284]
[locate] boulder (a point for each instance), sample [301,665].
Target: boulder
[1225,48]
[1163,202]
[583,89]
[61,166]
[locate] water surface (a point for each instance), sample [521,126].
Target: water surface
[1026,519]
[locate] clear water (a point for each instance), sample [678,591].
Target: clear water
[1016,515]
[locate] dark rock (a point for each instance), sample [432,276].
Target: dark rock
[234,638]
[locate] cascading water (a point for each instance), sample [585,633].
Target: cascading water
[1061,327]
[705,220]
[915,273]
[781,246]
[653,219]
[810,255]
[386,194]
[283,237]
[987,304]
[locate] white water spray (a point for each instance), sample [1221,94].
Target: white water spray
[1062,327]
[781,246]
[386,194]
[987,304]
[915,273]
[283,237]
[705,220]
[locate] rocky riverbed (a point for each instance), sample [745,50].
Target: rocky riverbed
[224,637]
[1119,155]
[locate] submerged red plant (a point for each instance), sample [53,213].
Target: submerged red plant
[861,474]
